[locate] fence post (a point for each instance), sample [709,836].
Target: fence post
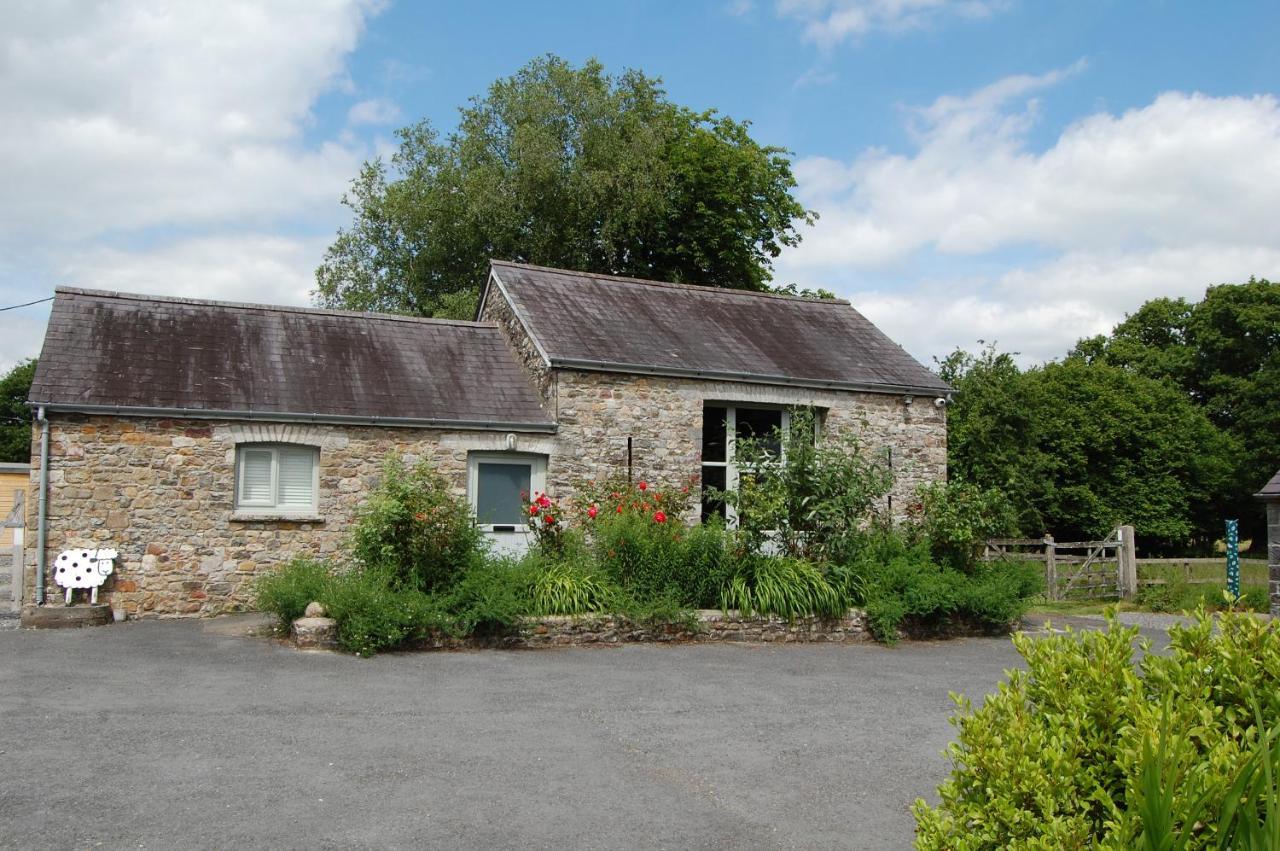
[1128,563]
[1050,568]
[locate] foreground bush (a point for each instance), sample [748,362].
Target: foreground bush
[1085,749]
[286,592]
[785,587]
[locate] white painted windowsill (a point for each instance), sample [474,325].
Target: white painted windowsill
[247,516]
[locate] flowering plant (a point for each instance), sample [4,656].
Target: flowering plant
[545,520]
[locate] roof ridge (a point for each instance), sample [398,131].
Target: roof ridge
[276,308]
[702,288]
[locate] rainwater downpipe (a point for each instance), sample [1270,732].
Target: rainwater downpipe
[42,500]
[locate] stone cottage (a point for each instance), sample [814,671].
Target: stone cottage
[207,441]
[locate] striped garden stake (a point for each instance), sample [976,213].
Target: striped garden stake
[1233,558]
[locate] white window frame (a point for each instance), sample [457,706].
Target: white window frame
[272,506]
[730,463]
[537,481]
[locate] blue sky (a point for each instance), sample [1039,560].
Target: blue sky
[984,169]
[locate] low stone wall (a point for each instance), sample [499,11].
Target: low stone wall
[708,625]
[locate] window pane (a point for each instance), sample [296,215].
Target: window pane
[498,490]
[763,424]
[712,477]
[255,476]
[713,433]
[295,477]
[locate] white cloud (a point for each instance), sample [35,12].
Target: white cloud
[1160,200]
[131,115]
[830,22]
[373,111]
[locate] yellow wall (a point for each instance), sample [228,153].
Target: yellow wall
[10,481]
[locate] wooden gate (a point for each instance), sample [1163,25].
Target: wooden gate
[1076,569]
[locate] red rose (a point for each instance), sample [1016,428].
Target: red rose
[549,519]
[619,509]
[644,486]
[544,501]
[659,517]
[533,509]
[592,511]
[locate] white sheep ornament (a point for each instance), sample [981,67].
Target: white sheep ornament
[83,569]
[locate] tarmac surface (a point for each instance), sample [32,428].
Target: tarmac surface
[191,734]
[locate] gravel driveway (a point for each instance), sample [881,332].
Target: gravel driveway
[189,734]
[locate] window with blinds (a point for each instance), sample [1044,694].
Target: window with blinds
[280,478]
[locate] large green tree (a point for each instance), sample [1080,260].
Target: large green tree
[15,417]
[562,166]
[1080,446]
[1223,352]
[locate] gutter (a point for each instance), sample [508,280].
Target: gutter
[749,378]
[42,522]
[288,417]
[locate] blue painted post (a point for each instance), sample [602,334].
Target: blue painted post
[1233,558]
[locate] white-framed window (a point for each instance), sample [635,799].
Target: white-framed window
[723,424]
[498,483]
[282,479]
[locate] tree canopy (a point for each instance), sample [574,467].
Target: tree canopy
[569,167]
[1079,447]
[15,417]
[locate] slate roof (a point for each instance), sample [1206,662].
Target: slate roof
[615,324]
[145,354]
[1271,490]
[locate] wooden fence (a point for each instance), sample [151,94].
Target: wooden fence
[1191,571]
[1106,568]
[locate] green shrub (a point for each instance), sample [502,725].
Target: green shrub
[899,581]
[491,598]
[662,560]
[958,519]
[813,500]
[374,614]
[785,587]
[415,530]
[286,592]
[566,589]
[1086,749]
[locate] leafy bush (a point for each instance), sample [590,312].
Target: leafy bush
[786,587]
[811,502]
[958,518]
[899,582]
[567,589]
[636,539]
[1178,596]
[375,614]
[491,598]
[414,529]
[1087,749]
[286,592]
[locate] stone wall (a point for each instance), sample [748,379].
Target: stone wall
[711,625]
[1273,554]
[161,493]
[597,412]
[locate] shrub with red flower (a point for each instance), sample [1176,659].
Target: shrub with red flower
[544,521]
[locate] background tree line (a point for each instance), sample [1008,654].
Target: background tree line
[1171,422]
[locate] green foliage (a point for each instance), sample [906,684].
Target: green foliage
[287,592]
[1223,352]
[785,587]
[900,582]
[1179,596]
[958,519]
[491,598]
[567,589]
[415,529]
[812,501]
[15,416]
[1085,748]
[374,613]
[569,167]
[1079,447]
